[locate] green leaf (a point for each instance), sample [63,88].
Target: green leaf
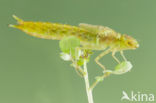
[123,67]
[80,62]
[69,44]
[99,78]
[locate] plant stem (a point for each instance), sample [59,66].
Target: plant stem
[88,90]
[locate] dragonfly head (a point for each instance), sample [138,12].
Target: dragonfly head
[129,42]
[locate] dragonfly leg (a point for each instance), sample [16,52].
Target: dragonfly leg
[122,54]
[113,55]
[78,69]
[100,56]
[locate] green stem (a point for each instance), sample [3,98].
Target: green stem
[88,90]
[99,79]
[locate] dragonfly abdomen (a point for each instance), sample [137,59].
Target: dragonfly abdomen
[55,31]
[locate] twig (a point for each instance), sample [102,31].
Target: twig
[88,90]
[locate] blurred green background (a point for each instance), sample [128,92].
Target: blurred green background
[31,70]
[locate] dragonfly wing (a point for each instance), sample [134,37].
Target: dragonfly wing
[98,29]
[89,27]
[106,31]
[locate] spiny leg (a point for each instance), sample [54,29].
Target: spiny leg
[100,56]
[113,55]
[122,54]
[80,71]
[78,68]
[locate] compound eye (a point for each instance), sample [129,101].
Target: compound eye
[129,43]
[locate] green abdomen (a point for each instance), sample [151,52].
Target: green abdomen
[56,31]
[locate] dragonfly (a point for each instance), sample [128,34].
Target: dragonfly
[92,37]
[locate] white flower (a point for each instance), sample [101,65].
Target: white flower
[65,56]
